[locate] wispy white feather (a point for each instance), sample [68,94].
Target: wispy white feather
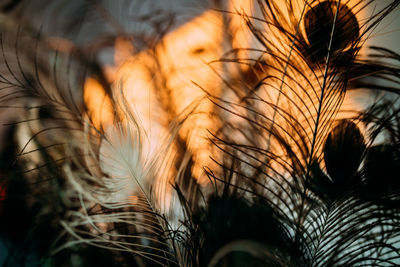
[122,160]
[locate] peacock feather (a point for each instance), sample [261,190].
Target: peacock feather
[135,134]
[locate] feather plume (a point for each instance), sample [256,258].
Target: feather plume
[132,142]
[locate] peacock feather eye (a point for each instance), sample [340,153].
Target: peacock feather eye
[318,23]
[381,167]
[343,150]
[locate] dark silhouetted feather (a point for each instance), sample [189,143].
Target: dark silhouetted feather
[259,165]
[343,150]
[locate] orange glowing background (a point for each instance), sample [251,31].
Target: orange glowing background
[182,60]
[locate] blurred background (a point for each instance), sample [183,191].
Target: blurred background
[191,32]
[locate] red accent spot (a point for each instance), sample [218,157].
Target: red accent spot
[3,195]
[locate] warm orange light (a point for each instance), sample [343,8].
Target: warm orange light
[98,104]
[172,75]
